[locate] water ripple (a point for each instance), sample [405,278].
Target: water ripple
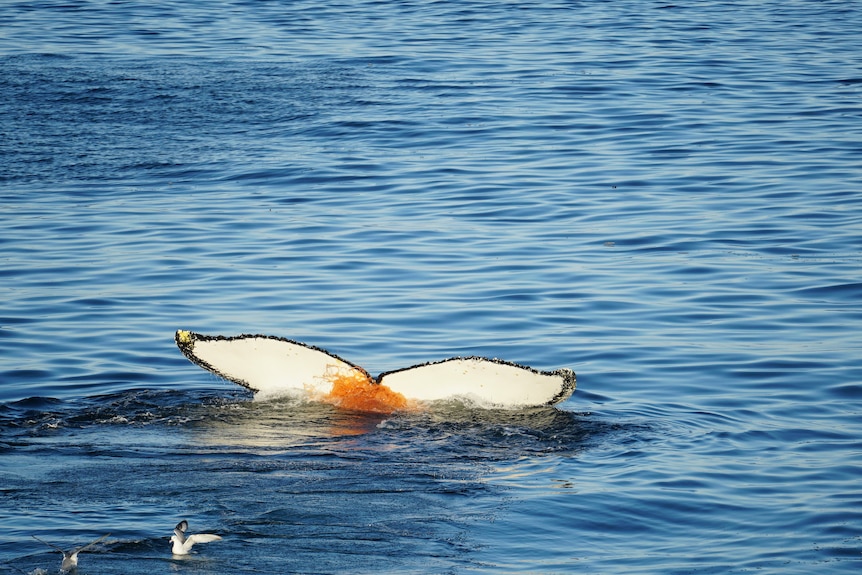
[663,197]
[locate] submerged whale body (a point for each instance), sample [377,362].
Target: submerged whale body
[272,366]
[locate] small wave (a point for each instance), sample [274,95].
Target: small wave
[130,408]
[845,292]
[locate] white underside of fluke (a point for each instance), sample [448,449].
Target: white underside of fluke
[274,366]
[479,380]
[265,365]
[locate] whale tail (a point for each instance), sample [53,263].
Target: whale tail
[270,366]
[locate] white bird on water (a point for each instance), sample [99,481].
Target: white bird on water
[182,544]
[70,558]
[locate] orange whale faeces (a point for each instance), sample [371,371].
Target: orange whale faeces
[356,391]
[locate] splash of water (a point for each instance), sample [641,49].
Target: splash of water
[356,391]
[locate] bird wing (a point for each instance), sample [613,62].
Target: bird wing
[201,538]
[51,545]
[90,544]
[180,530]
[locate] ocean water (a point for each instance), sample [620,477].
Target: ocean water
[665,197]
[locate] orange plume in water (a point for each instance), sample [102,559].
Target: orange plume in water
[354,390]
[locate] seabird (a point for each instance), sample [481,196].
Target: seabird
[70,558]
[182,544]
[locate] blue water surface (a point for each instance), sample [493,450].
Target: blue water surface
[666,198]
